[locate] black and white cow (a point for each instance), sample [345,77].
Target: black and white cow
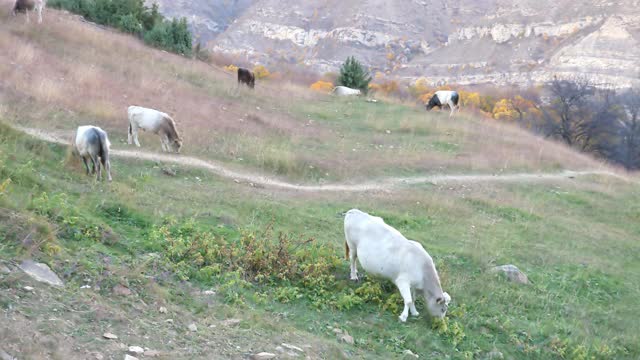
[444,97]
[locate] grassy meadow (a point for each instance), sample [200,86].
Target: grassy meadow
[275,258]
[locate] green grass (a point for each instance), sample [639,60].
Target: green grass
[578,242]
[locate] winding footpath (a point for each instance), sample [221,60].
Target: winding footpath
[384,184]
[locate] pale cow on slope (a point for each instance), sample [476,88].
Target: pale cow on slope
[92,143]
[29,5]
[157,122]
[345,91]
[384,252]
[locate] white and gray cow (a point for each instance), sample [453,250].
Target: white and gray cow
[384,251]
[92,143]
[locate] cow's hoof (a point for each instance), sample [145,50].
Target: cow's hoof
[403,318]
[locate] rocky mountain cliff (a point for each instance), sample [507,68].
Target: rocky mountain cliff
[462,41]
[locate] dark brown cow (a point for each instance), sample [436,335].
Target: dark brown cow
[247,77]
[29,5]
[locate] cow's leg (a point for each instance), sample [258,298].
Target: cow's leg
[86,166]
[135,135]
[405,292]
[40,13]
[130,135]
[353,256]
[96,166]
[164,142]
[412,307]
[107,167]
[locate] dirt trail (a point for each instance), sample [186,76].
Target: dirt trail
[384,184]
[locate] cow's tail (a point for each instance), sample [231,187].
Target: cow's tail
[103,144]
[346,249]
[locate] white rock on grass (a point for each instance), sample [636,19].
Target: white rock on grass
[410,353]
[347,338]
[292,347]
[129,357]
[109,336]
[4,269]
[136,350]
[41,272]
[193,327]
[512,273]
[263,356]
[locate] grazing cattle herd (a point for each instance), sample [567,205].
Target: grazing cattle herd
[380,249]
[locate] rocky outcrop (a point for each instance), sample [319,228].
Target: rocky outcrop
[468,41]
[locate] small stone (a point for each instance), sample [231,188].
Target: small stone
[98,356]
[410,353]
[129,357]
[263,356]
[162,310]
[168,171]
[208,292]
[5,356]
[121,290]
[337,331]
[4,270]
[109,336]
[28,288]
[388,131]
[231,322]
[41,272]
[279,349]
[170,321]
[347,339]
[292,347]
[512,273]
[152,353]
[85,287]
[136,350]
[193,328]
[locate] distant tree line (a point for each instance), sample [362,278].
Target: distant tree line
[132,16]
[599,121]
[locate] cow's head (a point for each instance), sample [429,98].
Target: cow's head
[438,305]
[433,102]
[176,144]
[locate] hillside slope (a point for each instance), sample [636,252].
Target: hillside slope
[464,42]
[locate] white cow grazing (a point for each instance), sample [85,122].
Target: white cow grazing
[345,91]
[93,143]
[29,5]
[383,251]
[156,122]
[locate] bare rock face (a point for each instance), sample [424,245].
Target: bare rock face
[512,273]
[465,42]
[41,272]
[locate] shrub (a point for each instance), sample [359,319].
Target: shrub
[261,72]
[132,16]
[354,75]
[322,86]
[231,68]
